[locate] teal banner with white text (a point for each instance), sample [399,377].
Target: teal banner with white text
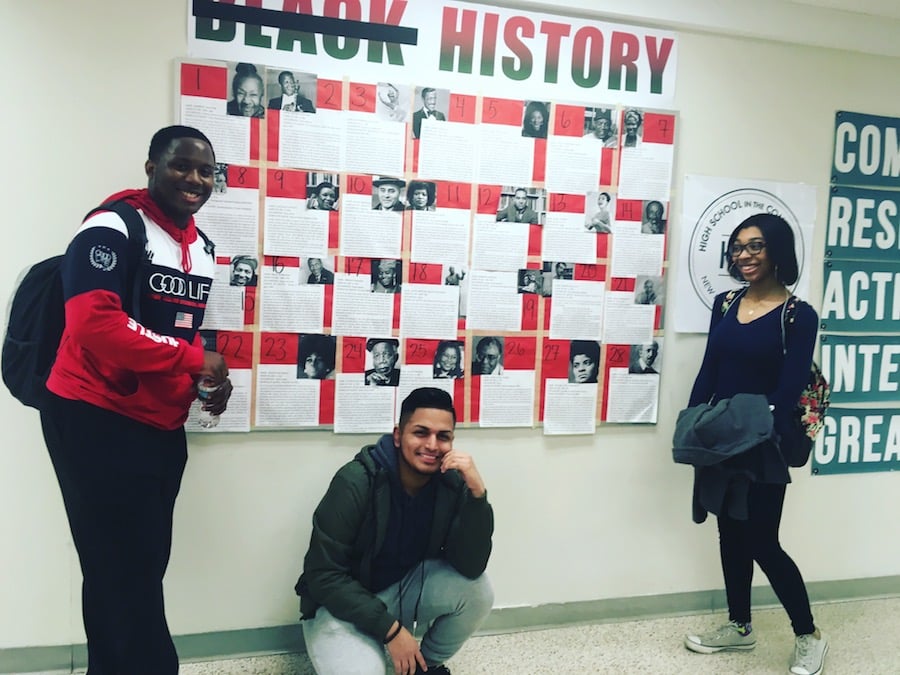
[858,441]
[861,297]
[866,150]
[863,224]
[860,313]
[861,368]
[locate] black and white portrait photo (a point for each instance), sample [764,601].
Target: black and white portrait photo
[317,271]
[648,290]
[290,91]
[536,119]
[520,204]
[430,104]
[386,275]
[322,191]
[645,358]
[243,270]
[316,357]
[599,124]
[488,357]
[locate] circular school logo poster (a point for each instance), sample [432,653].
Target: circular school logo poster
[713,208]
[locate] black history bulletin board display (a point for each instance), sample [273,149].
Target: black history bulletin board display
[433,194]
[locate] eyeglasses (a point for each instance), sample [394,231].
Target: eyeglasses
[753,247]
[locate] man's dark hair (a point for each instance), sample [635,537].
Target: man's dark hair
[426,397]
[486,342]
[246,259]
[321,186]
[779,246]
[658,203]
[163,138]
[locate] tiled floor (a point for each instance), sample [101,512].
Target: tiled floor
[862,637]
[863,641]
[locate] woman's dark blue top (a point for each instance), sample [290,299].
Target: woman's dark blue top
[749,358]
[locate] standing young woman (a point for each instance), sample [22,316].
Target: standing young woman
[745,354]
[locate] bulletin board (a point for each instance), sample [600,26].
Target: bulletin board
[500,235]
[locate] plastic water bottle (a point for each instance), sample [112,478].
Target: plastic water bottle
[205,387]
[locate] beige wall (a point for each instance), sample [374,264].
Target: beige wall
[87,83]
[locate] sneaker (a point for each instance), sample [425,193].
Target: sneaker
[809,654]
[726,637]
[433,670]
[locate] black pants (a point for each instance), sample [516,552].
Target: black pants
[743,541]
[119,479]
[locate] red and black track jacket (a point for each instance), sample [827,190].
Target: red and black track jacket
[145,370]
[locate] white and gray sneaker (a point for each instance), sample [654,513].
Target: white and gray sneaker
[809,654]
[731,636]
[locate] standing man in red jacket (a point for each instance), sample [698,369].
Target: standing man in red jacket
[120,391]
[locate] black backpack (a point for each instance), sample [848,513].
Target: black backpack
[37,317]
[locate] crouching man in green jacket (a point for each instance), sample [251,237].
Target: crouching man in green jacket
[398,550]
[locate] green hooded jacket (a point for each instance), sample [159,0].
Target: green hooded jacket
[349,527]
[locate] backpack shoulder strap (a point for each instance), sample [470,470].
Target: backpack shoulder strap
[730,298]
[788,313]
[137,233]
[208,244]
[791,306]
[137,247]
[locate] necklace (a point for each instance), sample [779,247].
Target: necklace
[759,303]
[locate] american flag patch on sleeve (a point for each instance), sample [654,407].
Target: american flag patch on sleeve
[184,320]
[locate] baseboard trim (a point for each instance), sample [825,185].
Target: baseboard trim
[517,619]
[287,639]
